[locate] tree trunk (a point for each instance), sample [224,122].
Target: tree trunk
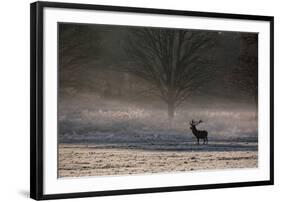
[171,113]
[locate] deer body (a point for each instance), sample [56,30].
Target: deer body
[199,134]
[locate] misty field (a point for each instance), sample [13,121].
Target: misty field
[112,138]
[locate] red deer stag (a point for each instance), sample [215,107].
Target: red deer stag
[199,134]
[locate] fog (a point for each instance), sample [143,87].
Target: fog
[92,119]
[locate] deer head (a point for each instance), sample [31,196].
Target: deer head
[194,123]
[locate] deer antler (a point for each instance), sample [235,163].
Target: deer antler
[200,121]
[194,123]
[191,122]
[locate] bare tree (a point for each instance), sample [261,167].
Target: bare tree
[79,49]
[174,62]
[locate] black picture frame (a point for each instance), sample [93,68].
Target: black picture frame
[37,99]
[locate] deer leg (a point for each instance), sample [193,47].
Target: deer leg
[198,141]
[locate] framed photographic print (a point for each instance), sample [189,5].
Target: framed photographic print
[134,100]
